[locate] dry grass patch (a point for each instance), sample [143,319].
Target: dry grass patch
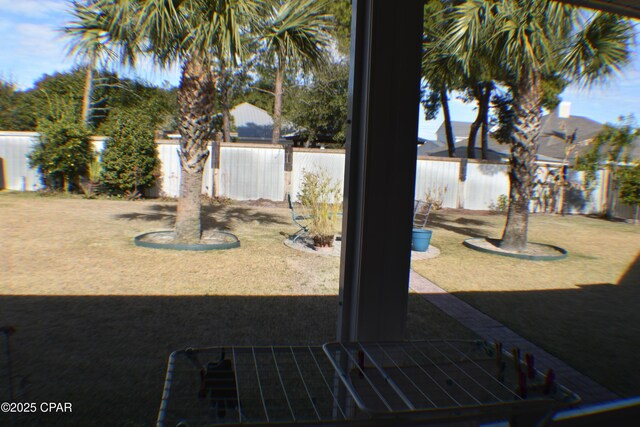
[97,317]
[576,308]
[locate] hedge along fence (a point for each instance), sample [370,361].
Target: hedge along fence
[262,171]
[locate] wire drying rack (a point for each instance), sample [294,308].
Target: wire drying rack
[353,383]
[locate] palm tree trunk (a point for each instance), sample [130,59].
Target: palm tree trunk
[195,103]
[522,162]
[473,129]
[88,90]
[277,103]
[486,101]
[483,96]
[226,108]
[444,100]
[226,123]
[473,132]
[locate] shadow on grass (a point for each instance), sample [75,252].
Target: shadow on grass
[469,227]
[218,217]
[594,327]
[107,355]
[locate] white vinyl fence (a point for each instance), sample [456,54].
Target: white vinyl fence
[169,182]
[259,171]
[15,173]
[250,173]
[329,161]
[438,175]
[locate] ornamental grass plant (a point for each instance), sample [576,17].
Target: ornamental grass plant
[321,197]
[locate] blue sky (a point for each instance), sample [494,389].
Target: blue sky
[31,45]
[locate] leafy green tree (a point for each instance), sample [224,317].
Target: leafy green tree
[630,188]
[529,40]
[193,33]
[64,149]
[341,12]
[130,158]
[17,108]
[610,149]
[158,103]
[294,33]
[320,108]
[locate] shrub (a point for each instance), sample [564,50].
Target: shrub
[501,206]
[130,161]
[63,152]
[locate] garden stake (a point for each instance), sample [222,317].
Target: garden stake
[8,331]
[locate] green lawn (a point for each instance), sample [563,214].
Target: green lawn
[584,309]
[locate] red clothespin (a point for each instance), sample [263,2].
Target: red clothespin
[549,381]
[522,384]
[516,359]
[530,361]
[499,363]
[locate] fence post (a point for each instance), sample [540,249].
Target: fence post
[288,169]
[216,164]
[462,178]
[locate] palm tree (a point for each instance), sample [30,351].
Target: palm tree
[193,33]
[294,33]
[528,40]
[90,42]
[444,70]
[441,69]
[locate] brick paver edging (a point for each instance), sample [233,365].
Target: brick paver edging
[492,330]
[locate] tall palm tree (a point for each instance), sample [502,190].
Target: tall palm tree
[193,33]
[89,41]
[444,70]
[441,69]
[530,39]
[294,33]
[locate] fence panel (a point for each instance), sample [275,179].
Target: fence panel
[168,184]
[330,161]
[579,200]
[250,173]
[485,182]
[435,174]
[15,173]
[254,172]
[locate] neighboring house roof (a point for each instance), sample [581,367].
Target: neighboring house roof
[253,123]
[460,131]
[551,145]
[553,130]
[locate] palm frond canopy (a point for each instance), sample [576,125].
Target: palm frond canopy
[88,33]
[540,37]
[171,31]
[297,31]
[601,49]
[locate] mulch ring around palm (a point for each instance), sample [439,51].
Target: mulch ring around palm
[532,251]
[166,239]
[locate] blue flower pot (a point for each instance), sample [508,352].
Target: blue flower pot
[420,240]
